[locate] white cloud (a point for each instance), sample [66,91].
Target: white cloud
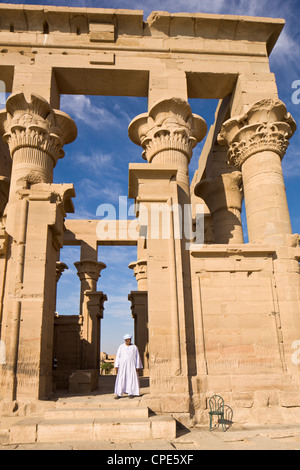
[291,165]
[82,213]
[92,189]
[286,51]
[95,160]
[92,113]
[291,160]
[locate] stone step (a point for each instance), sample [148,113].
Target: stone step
[106,401]
[32,430]
[95,413]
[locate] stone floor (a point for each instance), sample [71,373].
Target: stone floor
[194,439]
[271,438]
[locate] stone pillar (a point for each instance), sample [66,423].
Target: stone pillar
[139,309]
[140,273]
[224,196]
[168,134]
[95,301]
[88,272]
[60,268]
[4,192]
[35,134]
[257,143]
[39,77]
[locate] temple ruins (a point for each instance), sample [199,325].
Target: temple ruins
[220,316]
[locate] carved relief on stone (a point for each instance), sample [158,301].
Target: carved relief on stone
[266,126]
[169,125]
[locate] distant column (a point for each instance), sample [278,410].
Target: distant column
[60,268]
[139,309]
[224,196]
[91,303]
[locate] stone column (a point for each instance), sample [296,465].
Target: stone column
[224,196]
[35,134]
[168,134]
[139,309]
[95,306]
[60,268]
[88,272]
[140,273]
[257,143]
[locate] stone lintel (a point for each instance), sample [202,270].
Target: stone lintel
[68,319]
[33,18]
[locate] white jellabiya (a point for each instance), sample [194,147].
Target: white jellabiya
[127,362]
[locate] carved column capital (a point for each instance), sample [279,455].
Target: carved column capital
[60,268]
[223,192]
[168,134]
[35,124]
[35,134]
[89,270]
[266,126]
[169,125]
[95,303]
[140,273]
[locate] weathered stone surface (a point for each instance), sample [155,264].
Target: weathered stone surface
[221,318]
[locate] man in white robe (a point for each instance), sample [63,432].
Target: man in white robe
[127,364]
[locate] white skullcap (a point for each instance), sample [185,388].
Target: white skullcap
[127,337]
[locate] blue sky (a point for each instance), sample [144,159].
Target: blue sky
[97,162]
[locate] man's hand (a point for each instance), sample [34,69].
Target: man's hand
[117,368]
